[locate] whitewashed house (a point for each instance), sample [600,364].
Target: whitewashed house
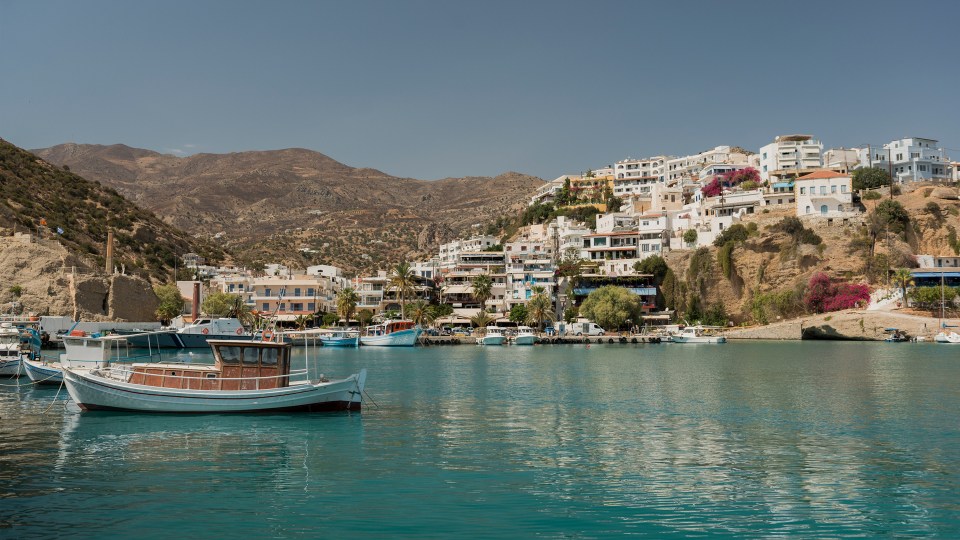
[824,194]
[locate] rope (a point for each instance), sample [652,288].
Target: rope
[370,398]
[52,403]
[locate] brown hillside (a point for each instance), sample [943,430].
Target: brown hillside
[269,204]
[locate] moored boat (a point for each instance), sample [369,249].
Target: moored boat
[10,365]
[339,338]
[247,376]
[192,336]
[947,337]
[699,334]
[493,335]
[43,371]
[391,334]
[525,336]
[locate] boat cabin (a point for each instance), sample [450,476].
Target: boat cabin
[238,365]
[390,327]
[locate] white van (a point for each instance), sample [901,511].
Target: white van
[584,328]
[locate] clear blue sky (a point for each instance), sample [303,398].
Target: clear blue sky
[436,89]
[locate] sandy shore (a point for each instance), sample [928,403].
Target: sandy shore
[850,324]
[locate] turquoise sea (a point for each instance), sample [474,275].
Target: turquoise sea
[742,440]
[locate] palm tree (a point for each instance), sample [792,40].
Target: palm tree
[540,308]
[403,281]
[347,300]
[421,313]
[241,311]
[302,321]
[481,320]
[482,290]
[903,277]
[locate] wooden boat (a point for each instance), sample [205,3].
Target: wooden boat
[492,335]
[43,371]
[339,338]
[699,334]
[247,376]
[896,335]
[391,334]
[525,336]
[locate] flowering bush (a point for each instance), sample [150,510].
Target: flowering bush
[713,188]
[733,178]
[823,294]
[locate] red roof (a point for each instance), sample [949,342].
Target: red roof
[816,175]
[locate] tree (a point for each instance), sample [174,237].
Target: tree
[570,314]
[869,178]
[654,265]
[903,278]
[481,320]
[403,281]
[540,308]
[218,304]
[330,319]
[171,302]
[347,300]
[611,306]
[518,314]
[482,289]
[893,215]
[302,321]
[690,237]
[364,316]
[421,313]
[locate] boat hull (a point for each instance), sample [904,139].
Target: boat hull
[525,340]
[94,392]
[699,339]
[41,373]
[491,340]
[340,342]
[400,338]
[11,367]
[943,337]
[174,340]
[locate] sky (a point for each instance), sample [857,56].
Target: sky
[445,89]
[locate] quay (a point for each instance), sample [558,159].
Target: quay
[551,340]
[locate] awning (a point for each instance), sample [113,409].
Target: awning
[286,317]
[457,289]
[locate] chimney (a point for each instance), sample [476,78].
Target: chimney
[195,311]
[108,266]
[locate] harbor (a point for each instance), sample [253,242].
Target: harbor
[599,442]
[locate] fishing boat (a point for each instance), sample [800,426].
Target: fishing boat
[339,338]
[699,334]
[43,371]
[391,334]
[492,335]
[10,365]
[194,335]
[525,336]
[247,376]
[896,335]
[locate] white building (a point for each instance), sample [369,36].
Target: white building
[824,194]
[648,168]
[690,167]
[915,159]
[789,156]
[450,252]
[842,160]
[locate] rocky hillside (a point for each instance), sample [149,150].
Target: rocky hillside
[298,205]
[33,193]
[768,270]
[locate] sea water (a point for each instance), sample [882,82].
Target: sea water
[743,439]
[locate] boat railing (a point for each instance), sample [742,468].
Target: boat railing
[123,373]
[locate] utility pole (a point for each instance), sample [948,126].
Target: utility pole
[890,172]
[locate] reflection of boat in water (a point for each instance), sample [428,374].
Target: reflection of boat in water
[525,336]
[391,334]
[192,336]
[246,376]
[699,334]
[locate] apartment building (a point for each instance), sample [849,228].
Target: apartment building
[652,167]
[691,167]
[915,159]
[789,156]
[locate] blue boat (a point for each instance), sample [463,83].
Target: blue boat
[339,338]
[391,334]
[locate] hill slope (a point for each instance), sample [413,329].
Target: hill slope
[270,203]
[33,191]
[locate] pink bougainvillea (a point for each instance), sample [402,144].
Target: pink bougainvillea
[713,188]
[734,178]
[823,294]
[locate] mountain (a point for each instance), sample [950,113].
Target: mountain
[299,205]
[34,192]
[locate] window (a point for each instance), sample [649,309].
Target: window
[803,191]
[823,209]
[283,306]
[266,292]
[808,210]
[296,291]
[843,188]
[311,292]
[833,189]
[265,307]
[823,190]
[311,307]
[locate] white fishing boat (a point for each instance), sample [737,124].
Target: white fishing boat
[194,335]
[947,337]
[247,376]
[10,365]
[525,336]
[391,334]
[43,371]
[699,334]
[493,335]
